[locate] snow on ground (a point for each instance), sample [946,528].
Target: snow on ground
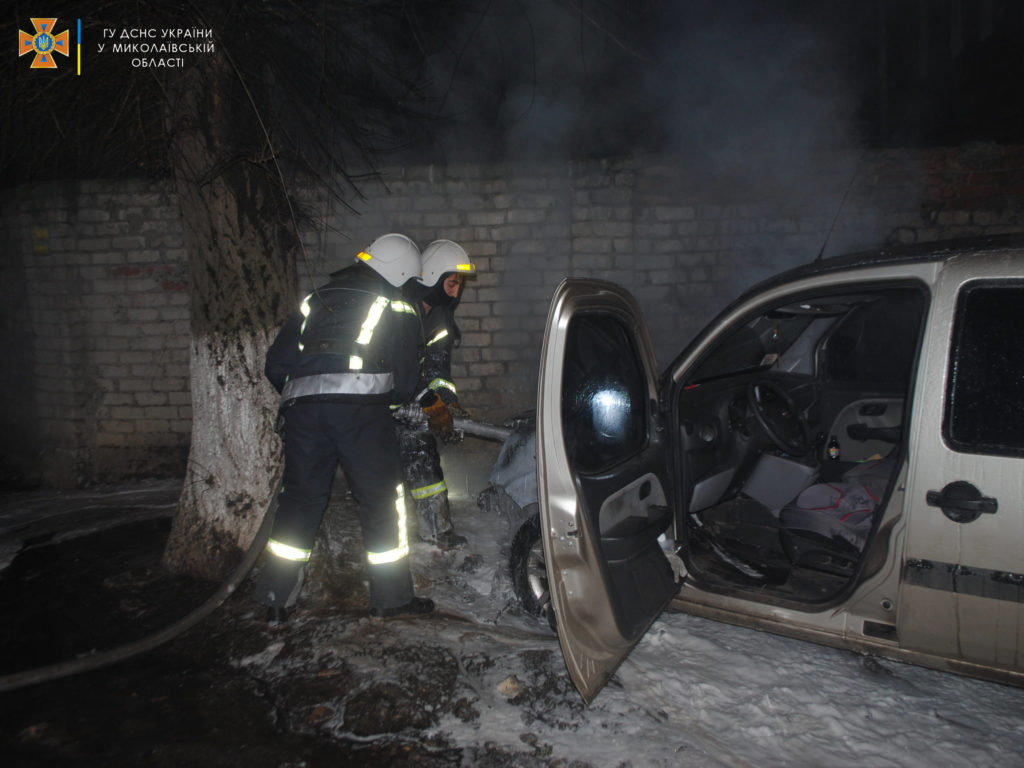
[731,696]
[693,693]
[697,692]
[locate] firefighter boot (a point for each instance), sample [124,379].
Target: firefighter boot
[278,587]
[435,522]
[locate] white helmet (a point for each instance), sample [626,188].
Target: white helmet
[442,257]
[394,257]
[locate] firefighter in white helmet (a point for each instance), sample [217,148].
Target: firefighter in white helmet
[446,266]
[340,362]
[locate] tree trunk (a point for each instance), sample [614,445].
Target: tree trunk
[242,284]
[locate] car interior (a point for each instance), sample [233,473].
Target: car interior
[791,434]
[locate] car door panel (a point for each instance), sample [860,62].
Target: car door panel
[602,478]
[962,592]
[630,520]
[864,426]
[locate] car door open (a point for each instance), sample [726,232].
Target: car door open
[602,475]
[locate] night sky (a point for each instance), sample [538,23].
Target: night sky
[492,80]
[587,78]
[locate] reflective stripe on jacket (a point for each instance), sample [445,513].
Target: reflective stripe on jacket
[354,339]
[338,384]
[442,336]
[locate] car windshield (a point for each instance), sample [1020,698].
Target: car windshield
[760,343]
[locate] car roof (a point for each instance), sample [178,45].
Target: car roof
[937,250]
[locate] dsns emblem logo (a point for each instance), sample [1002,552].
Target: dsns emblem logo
[44,44]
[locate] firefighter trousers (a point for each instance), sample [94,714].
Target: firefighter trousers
[424,482]
[317,438]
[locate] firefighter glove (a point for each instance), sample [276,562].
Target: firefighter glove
[439,420]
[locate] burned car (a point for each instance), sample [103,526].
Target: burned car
[837,457]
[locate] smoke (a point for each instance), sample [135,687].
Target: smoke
[534,79]
[739,81]
[751,101]
[718,83]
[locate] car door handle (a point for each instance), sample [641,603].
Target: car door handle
[862,432]
[961,502]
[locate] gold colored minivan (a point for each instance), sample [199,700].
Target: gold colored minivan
[837,457]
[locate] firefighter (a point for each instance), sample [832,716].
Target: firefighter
[445,269]
[340,362]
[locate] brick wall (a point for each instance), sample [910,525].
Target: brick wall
[100,333]
[683,246]
[95,310]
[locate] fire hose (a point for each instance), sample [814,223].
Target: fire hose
[412,417]
[481,429]
[28,677]
[16,680]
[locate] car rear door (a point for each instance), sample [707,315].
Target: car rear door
[963,576]
[603,484]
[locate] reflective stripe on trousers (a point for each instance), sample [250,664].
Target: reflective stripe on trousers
[402,550]
[288,552]
[427,491]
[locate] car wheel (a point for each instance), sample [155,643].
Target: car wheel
[529,576]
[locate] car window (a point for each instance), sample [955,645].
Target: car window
[604,409]
[756,344]
[873,345]
[985,390]
[871,339]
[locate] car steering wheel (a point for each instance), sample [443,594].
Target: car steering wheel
[779,417]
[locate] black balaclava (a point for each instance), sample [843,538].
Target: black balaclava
[436,297]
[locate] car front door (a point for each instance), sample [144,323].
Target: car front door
[963,575]
[603,484]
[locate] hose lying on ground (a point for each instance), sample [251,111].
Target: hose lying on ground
[16,680]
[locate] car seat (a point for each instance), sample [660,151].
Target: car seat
[827,525]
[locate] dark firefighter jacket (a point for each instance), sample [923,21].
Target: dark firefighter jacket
[442,335]
[355,339]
